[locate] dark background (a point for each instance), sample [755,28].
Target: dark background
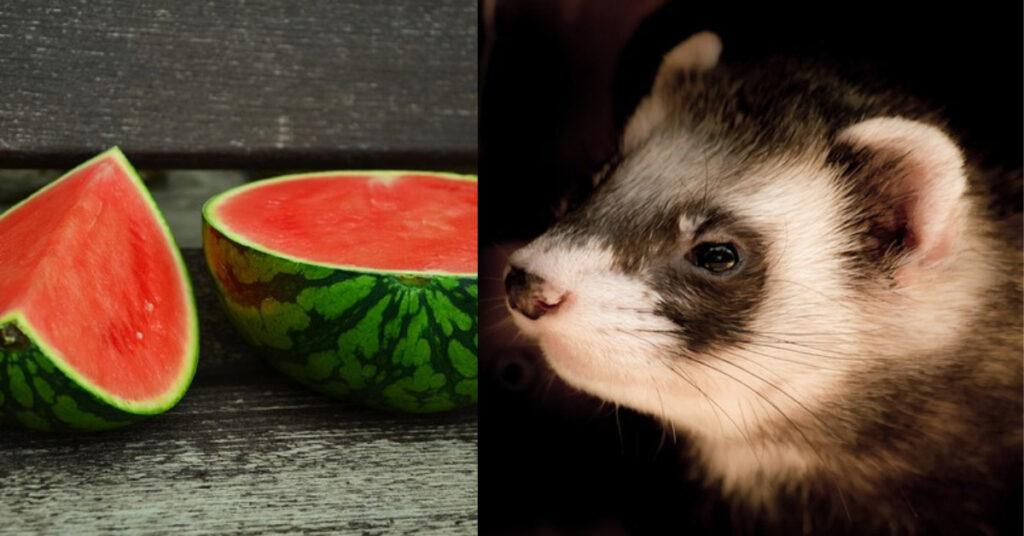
[557,81]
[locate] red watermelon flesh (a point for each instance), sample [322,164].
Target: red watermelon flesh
[89,272]
[373,223]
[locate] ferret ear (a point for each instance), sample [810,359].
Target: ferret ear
[909,178]
[698,53]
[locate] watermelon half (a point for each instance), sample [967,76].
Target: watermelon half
[97,321]
[360,285]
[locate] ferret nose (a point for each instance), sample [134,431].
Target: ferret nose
[529,294]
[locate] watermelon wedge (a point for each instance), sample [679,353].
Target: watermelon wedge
[97,322]
[360,285]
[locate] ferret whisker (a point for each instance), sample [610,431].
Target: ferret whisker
[714,404]
[752,341]
[546,391]
[811,345]
[831,299]
[665,331]
[814,333]
[636,309]
[809,351]
[791,422]
[518,338]
[775,406]
[767,370]
[816,344]
[707,180]
[808,364]
[663,415]
[758,453]
[497,327]
[753,410]
[604,408]
[784,392]
[657,391]
[803,349]
[618,428]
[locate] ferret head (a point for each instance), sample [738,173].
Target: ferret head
[762,235]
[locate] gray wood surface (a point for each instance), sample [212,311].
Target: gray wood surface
[246,451]
[240,83]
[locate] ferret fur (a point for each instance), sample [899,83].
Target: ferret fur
[860,370]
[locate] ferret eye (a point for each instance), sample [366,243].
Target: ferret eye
[715,257]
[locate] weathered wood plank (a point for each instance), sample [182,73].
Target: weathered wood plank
[246,450]
[240,83]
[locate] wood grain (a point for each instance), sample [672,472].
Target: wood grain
[240,83]
[246,451]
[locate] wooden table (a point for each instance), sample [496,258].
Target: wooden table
[261,86]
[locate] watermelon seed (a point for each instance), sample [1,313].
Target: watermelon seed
[11,337]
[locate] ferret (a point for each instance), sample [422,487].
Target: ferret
[803,276]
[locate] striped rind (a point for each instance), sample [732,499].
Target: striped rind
[405,342]
[108,408]
[36,393]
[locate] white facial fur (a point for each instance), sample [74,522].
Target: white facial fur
[587,339]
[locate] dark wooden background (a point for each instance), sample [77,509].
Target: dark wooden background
[240,83]
[257,86]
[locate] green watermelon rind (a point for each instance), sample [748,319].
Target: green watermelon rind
[38,395]
[122,411]
[209,215]
[296,314]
